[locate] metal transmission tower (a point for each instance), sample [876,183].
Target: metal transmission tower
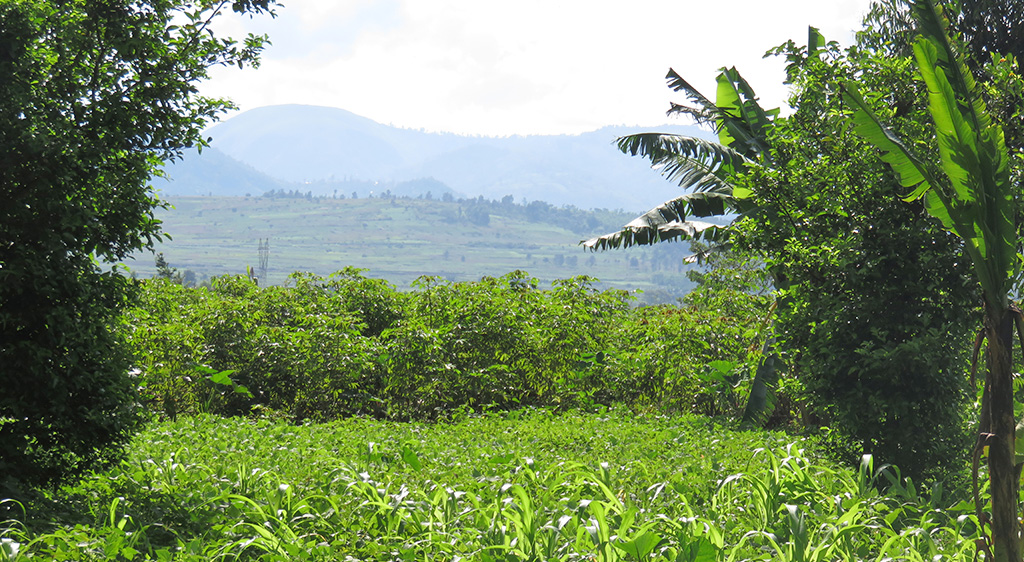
[264,252]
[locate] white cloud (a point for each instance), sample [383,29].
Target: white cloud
[531,66]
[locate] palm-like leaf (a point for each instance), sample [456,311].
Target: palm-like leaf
[740,121]
[744,123]
[706,170]
[692,163]
[973,198]
[704,113]
[669,221]
[913,171]
[702,168]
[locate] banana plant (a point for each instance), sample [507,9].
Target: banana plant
[971,193]
[705,171]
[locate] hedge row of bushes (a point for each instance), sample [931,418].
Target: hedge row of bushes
[324,348]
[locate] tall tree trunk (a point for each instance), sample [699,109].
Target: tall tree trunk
[1002,475]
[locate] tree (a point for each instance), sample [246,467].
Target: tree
[165,271]
[993,38]
[986,28]
[990,27]
[477,213]
[707,169]
[94,94]
[878,303]
[971,193]
[818,209]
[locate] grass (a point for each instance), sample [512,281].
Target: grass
[528,485]
[397,240]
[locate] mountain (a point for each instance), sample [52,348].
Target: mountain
[323,149]
[214,173]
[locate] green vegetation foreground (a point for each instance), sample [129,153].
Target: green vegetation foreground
[528,485]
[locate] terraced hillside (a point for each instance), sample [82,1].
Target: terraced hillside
[400,239]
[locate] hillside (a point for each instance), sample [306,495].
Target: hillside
[400,239]
[214,173]
[327,149]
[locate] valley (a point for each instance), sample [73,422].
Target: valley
[400,238]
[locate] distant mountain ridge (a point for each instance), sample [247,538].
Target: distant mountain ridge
[214,173]
[327,150]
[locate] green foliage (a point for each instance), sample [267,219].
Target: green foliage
[704,168]
[92,96]
[297,350]
[530,485]
[709,172]
[374,302]
[878,308]
[508,342]
[967,187]
[66,395]
[702,355]
[328,348]
[861,289]
[973,197]
[989,28]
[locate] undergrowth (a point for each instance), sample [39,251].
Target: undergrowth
[524,485]
[328,348]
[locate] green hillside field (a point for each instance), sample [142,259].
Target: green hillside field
[400,239]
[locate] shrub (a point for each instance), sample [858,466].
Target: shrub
[346,345]
[296,349]
[497,343]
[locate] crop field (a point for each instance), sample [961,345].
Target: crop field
[398,240]
[805,354]
[603,485]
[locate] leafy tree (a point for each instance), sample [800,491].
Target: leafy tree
[94,94]
[878,304]
[818,209]
[708,170]
[478,214]
[971,193]
[991,27]
[993,39]
[986,28]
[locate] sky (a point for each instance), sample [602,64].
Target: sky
[482,67]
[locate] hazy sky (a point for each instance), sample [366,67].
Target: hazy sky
[518,67]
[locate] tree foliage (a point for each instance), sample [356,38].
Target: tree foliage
[863,279]
[967,186]
[93,95]
[877,308]
[706,170]
[327,348]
